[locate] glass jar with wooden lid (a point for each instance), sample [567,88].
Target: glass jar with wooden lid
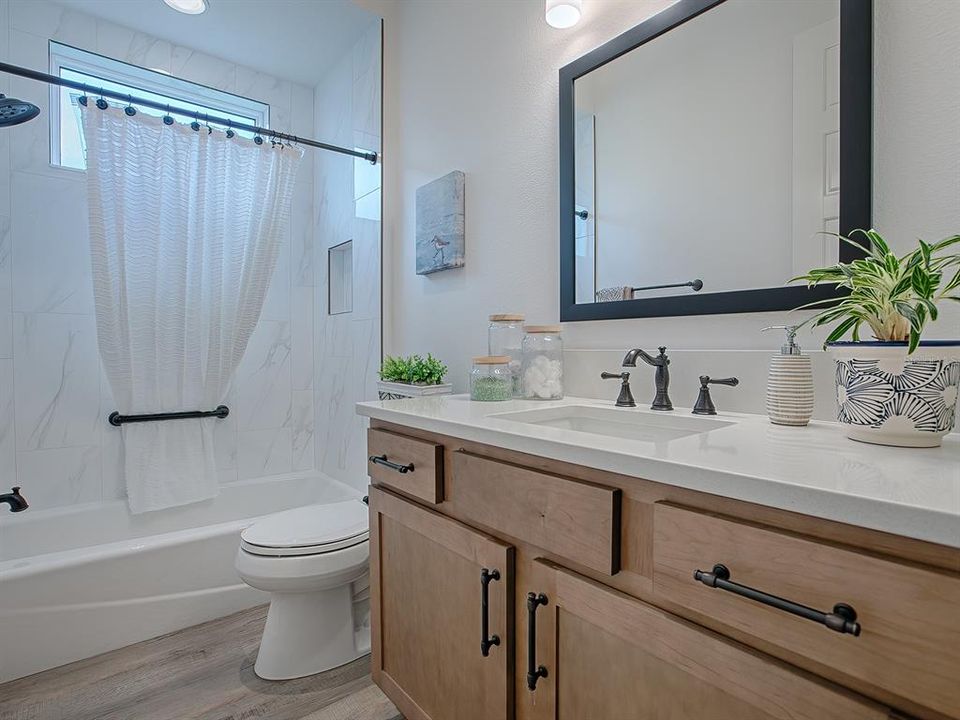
[491,378]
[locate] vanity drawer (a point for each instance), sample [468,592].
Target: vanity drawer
[412,466]
[909,616]
[571,519]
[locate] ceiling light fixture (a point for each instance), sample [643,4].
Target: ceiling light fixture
[563,13]
[189,7]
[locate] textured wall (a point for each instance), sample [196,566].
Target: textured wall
[473,86]
[54,399]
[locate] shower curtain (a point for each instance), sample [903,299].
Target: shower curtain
[185,228]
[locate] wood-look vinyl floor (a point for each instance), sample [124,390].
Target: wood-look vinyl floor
[201,673]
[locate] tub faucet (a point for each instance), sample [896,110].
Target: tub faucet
[15,500]
[662,379]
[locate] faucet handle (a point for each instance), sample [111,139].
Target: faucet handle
[707,380]
[704,404]
[625,399]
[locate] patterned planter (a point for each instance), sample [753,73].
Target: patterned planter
[890,398]
[396,391]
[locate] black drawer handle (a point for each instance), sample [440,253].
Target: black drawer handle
[486,640]
[843,619]
[534,672]
[382,460]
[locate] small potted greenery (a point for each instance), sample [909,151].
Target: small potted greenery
[414,376]
[896,388]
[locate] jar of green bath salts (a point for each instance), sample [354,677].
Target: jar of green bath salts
[491,378]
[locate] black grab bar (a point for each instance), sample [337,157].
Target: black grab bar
[116,419]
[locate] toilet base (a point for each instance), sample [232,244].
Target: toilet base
[307,633]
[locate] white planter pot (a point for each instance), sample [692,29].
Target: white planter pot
[395,390]
[890,398]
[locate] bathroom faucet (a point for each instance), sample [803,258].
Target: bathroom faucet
[662,379]
[15,500]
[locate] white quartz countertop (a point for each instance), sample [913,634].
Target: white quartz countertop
[813,470]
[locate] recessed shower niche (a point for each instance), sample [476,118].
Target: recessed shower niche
[340,272]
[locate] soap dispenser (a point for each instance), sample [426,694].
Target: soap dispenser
[790,382]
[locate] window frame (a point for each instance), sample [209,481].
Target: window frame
[143,80]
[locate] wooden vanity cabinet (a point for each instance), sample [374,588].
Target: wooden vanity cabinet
[624,630]
[427,612]
[602,654]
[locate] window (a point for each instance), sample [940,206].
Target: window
[66,138]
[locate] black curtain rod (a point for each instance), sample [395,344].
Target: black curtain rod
[367,155]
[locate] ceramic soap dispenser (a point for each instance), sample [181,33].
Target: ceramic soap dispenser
[790,382]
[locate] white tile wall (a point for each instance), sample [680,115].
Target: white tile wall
[54,398]
[347,347]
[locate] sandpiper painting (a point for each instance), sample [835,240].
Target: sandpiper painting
[440,224]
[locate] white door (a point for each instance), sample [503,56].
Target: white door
[816,146]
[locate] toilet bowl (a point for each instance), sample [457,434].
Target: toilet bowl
[314,563]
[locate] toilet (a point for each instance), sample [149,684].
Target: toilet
[314,563]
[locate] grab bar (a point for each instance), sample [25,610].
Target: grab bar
[116,419]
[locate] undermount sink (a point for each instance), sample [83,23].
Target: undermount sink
[617,423]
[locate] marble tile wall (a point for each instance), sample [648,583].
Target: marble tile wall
[348,345]
[54,398]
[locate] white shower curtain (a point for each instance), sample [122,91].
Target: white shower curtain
[185,228]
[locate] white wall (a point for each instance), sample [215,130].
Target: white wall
[473,86]
[54,399]
[347,353]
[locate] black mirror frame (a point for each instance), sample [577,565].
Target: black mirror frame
[856,139]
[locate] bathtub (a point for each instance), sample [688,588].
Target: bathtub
[79,581]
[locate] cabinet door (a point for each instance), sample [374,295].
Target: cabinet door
[429,575]
[607,656]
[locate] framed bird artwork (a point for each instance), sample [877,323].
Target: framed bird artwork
[440,224]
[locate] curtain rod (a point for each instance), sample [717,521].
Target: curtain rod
[367,155]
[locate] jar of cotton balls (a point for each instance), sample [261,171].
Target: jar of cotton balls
[542,365]
[491,378]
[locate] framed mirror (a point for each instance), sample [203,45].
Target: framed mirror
[707,154]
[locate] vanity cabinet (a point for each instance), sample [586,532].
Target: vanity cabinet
[604,654]
[599,615]
[432,576]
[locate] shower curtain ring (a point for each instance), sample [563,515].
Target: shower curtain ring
[101,103]
[206,119]
[167,120]
[82,100]
[257,139]
[230,132]
[195,125]
[130,110]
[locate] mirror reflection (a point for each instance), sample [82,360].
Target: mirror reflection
[735,113]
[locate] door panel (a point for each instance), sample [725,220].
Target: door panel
[608,655]
[427,614]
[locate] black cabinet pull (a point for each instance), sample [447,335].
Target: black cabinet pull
[486,640]
[843,618]
[534,672]
[382,460]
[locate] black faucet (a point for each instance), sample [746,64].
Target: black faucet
[15,500]
[662,379]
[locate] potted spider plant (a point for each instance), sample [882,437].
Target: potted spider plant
[414,376]
[894,388]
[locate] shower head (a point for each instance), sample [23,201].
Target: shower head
[14,112]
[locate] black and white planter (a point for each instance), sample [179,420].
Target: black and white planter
[890,398]
[396,390]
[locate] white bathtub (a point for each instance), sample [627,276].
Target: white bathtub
[87,579]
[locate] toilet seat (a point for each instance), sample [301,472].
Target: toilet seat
[309,530]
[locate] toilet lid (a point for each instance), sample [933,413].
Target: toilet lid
[316,528]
